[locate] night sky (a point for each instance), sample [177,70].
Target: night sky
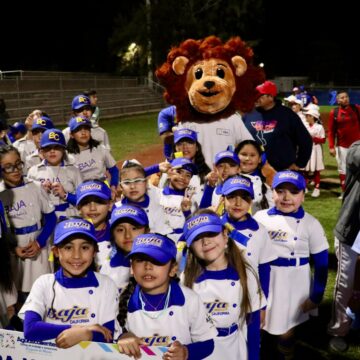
[309,39]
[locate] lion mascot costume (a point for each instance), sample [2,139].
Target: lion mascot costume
[210,83]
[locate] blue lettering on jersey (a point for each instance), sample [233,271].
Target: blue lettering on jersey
[15,207]
[68,315]
[86,164]
[279,236]
[217,308]
[172,210]
[157,340]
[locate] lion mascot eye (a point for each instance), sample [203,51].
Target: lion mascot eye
[198,74]
[220,73]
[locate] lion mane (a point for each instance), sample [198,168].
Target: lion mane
[197,50]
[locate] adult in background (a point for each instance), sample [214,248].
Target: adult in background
[286,141]
[343,130]
[346,230]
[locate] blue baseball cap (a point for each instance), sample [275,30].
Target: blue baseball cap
[80,101]
[18,127]
[77,121]
[42,122]
[227,154]
[70,227]
[288,176]
[184,134]
[53,137]
[184,164]
[200,224]
[130,212]
[156,246]
[92,188]
[235,183]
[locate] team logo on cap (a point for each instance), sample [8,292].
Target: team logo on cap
[87,187]
[288,175]
[82,99]
[185,132]
[154,241]
[77,225]
[197,221]
[227,153]
[54,136]
[126,211]
[79,119]
[240,181]
[41,121]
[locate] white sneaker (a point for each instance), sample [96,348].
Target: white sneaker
[306,190]
[312,183]
[315,193]
[340,197]
[338,343]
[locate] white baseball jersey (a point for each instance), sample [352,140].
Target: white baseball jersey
[216,196]
[173,215]
[221,293]
[104,244]
[67,174]
[292,238]
[97,133]
[184,319]
[74,306]
[25,147]
[117,268]
[93,163]
[215,136]
[32,160]
[316,161]
[6,299]
[24,206]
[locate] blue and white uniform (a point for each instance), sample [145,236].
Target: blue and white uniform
[25,206]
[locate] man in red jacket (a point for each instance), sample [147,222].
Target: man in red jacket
[344,129]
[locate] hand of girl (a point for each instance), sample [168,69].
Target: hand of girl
[308,305]
[46,185]
[103,330]
[262,318]
[58,190]
[129,344]
[113,192]
[176,351]
[164,166]
[20,251]
[73,336]
[186,201]
[32,249]
[212,178]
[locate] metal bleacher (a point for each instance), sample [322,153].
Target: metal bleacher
[52,92]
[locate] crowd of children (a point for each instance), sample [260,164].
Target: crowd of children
[200,262]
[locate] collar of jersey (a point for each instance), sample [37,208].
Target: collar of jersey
[227,274]
[89,280]
[168,191]
[177,297]
[103,234]
[119,259]
[45,162]
[256,172]
[299,214]
[143,204]
[250,223]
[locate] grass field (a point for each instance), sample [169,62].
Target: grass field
[134,134]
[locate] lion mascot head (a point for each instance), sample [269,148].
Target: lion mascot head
[208,80]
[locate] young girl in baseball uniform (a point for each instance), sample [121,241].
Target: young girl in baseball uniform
[126,223]
[252,158]
[32,219]
[57,175]
[93,200]
[69,305]
[92,158]
[159,311]
[227,285]
[316,162]
[296,235]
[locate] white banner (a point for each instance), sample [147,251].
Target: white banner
[14,346]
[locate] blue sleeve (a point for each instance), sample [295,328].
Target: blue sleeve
[200,350]
[168,151]
[114,172]
[71,199]
[187,213]
[166,119]
[253,335]
[264,276]
[207,197]
[47,229]
[98,337]
[35,329]
[321,261]
[153,169]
